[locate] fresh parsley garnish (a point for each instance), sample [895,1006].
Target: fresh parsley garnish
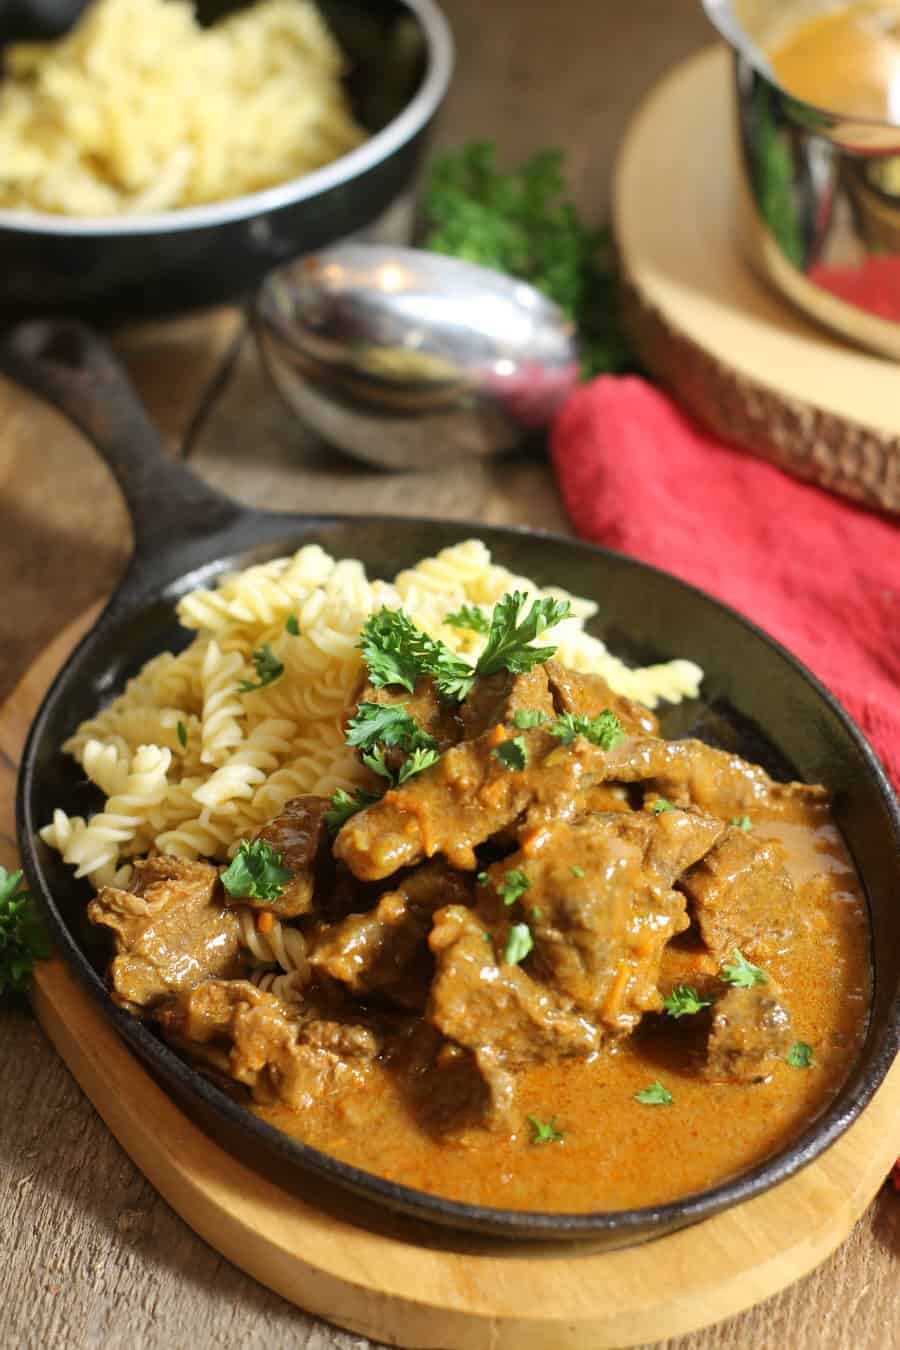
[742,822]
[545,1131]
[519,943]
[419,759]
[512,632]
[345,804]
[513,754]
[660,805]
[576,870]
[292,625]
[654,1095]
[182,734]
[524,718]
[267,667]
[376,726]
[743,974]
[536,913]
[471,617]
[800,1055]
[604,730]
[22,937]
[684,1001]
[397,652]
[256,872]
[515,884]
[483,879]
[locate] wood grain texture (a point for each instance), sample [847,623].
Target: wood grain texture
[92,1257]
[429,1289]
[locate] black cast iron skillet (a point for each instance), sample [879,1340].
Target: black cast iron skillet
[756,700]
[400,56]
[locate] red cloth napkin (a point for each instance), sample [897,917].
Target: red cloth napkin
[820,575]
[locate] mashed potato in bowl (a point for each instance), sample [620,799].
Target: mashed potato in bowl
[139,109]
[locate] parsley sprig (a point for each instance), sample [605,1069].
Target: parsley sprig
[513,630]
[22,937]
[376,727]
[470,617]
[519,943]
[346,804]
[800,1055]
[741,973]
[604,730]
[654,1095]
[267,667]
[512,754]
[545,1131]
[684,1001]
[256,872]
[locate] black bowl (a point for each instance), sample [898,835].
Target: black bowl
[401,58]
[757,700]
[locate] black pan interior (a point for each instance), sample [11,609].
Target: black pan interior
[756,700]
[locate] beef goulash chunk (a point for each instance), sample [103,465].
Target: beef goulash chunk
[599,935]
[384,948]
[497,698]
[276,1049]
[171,931]
[751,1030]
[690,773]
[590,695]
[742,896]
[495,1010]
[300,835]
[433,714]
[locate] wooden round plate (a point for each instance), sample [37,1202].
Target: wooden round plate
[431,1289]
[733,351]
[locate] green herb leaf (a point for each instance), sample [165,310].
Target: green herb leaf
[267,666]
[471,617]
[519,943]
[742,822]
[345,804]
[292,625]
[515,884]
[512,632]
[22,937]
[576,870]
[545,1131]
[397,652]
[182,734]
[536,913]
[654,1095]
[420,759]
[374,760]
[661,805]
[684,1001]
[386,724]
[524,718]
[604,730]
[742,973]
[483,879]
[800,1055]
[256,872]
[514,753]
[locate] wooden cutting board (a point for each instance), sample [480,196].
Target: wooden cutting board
[729,347]
[429,1289]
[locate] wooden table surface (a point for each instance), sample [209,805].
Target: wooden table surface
[90,1255]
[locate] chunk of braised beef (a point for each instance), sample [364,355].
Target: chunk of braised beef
[386,949]
[690,773]
[438,717]
[497,1011]
[742,896]
[495,699]
[751,1030]
[600,924]
[299,833]
[281,1052]
[589,695]
[171,930]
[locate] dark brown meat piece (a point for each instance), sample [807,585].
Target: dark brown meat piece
[497,698]
[171,931]
[435,715]
[741,896]
[275,1049]
[751,1029]
[590,695]
[689,773]
[384,948]
[600,930]
[497,1011]
[300,835]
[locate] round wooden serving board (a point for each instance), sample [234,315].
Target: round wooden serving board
[430,1289]
[728,346]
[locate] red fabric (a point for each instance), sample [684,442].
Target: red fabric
[817,573]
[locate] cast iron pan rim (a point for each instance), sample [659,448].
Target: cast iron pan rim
[373,151]
[516,1224]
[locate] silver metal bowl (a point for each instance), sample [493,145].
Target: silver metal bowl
[820,209]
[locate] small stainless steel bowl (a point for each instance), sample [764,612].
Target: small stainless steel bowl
[411,360]
[819,214]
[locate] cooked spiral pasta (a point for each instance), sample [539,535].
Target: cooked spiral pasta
[223,710]
[281,945]
[100,843]
[267,746]
[288,985]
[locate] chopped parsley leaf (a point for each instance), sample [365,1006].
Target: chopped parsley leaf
[22,937]
[742,822]
[256,872]
[267,666]
[519,943]
[742,973]
[545,1131]
[419,759]
[514,753]
[483,879]
[536,913]
[515,884]
[660,805]
[684,1001]
[604,730]
[800,1055]
[471,617]
[524,718]
[654,1095]
[182,734]
[576,870]
[292,625]
[344,805]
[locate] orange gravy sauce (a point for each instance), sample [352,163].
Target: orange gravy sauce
[620,1154]
[845,60]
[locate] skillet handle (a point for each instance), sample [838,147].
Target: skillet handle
[70,366]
